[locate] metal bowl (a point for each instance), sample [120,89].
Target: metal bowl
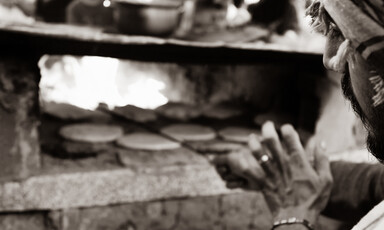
[155,18]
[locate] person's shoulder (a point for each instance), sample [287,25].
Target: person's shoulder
[374,220]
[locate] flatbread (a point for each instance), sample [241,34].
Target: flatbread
[237,134]
[189,132]
[147,141]
[215,146]
[221,111]
[92,133]
[179,111]
[134,113]
[66,111]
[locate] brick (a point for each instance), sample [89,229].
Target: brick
[155,215]
[234,211]
[199,214]
[237,211]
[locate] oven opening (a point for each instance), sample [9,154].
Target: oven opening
[144,96]
[87,81]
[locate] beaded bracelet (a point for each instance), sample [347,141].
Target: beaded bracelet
[293,220]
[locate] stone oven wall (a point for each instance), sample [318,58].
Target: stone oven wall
[55,206]
[19,116]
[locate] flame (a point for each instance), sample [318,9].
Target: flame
[231,12]
[249,2]
[87,81]
[145,93]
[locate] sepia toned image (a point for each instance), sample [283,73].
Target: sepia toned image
[191,114]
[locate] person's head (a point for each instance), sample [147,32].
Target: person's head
[349,50]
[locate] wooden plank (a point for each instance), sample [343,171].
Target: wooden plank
[42,38]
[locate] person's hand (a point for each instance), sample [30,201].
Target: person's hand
[295,184]
[300,190]
[240,169]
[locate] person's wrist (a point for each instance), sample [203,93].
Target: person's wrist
[310,216]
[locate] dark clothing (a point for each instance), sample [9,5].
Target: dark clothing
[357,189]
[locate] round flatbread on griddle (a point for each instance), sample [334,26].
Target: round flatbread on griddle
[91,133]
[179,111]
[134,113]
[66,111]
[189,132]
[221,111]
[215,146]
[237,134]
[147,141]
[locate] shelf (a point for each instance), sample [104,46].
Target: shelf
[43,38]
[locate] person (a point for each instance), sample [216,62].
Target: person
[299,184]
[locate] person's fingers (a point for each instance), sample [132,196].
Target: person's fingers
[310,149]
[220,160]
[221,165]
[241,164]
[247,166]
[262,156]
[236,184]
[255,145]
[222,169]
[232,177]
[291,139]
[322,165]
[272,143]
[294,147]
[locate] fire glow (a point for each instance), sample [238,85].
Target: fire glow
[87,81]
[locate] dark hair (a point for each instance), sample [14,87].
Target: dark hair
[374,125]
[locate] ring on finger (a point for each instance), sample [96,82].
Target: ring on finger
[266,162]
[264,159]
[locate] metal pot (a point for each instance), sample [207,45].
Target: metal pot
[156,17]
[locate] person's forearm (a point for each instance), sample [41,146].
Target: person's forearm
[357,188]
